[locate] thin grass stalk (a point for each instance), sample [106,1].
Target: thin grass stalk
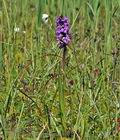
[19,120]
[1,45]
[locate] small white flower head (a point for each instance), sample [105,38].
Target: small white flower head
[16,29]
[45,18]
[24,32]
[118,105]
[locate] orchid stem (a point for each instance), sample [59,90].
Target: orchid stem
[62,92]
[63,59]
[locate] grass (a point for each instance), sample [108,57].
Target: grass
[40,100]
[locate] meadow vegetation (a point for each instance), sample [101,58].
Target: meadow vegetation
[39,99]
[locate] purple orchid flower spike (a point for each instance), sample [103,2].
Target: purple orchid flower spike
[63,35]
[63,31]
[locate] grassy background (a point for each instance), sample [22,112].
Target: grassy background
[38,100]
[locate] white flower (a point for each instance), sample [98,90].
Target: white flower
[45,18]
[16,29]
[24,32]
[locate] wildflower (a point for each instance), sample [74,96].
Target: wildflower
[45,18]
[16,29]
[63,31]
[24,32]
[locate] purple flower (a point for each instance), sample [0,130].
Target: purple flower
[63,31]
